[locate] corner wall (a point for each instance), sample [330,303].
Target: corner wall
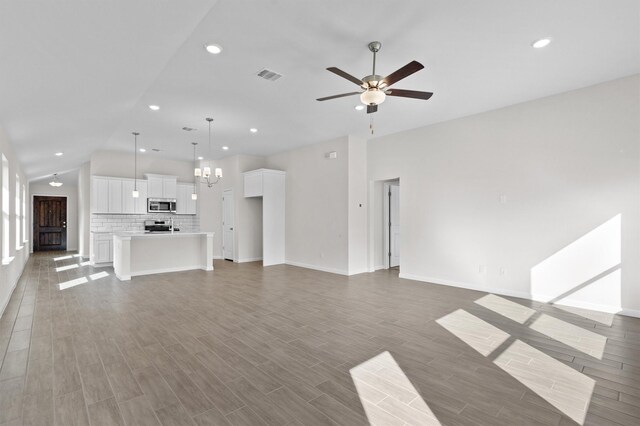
[84,209]
[317,194]
[489,200]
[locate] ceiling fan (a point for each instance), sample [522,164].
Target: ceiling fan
[377,88]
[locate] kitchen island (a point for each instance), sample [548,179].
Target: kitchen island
[138,253]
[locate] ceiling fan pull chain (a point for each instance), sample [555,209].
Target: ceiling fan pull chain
[371,123]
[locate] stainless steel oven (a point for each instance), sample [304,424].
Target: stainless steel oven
[161,205]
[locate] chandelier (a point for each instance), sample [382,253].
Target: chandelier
[205,173]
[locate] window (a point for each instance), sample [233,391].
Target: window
[5,208]
[24,213]
[18,215]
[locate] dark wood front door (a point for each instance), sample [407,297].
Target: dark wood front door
[49,223]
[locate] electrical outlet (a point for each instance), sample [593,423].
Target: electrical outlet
[503,199]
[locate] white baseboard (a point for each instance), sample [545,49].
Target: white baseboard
[249,259]
[378,267]
[6,302]
[217,257]
[316,267]
[630,313]
[521,294]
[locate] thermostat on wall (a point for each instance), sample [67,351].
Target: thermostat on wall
[331,155]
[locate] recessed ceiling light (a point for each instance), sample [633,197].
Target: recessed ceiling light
[154,107]
[359,107]
[539,44]
[200,158]
[225,148]
[142,150]
[253,130]
[213,48]
[59,154]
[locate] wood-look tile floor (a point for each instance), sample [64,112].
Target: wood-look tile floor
[247,345]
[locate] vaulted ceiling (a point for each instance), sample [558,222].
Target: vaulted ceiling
[77,76]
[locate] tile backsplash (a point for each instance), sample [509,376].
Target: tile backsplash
[135,222]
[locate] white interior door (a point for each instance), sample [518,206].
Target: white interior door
[228,233]
[394,225]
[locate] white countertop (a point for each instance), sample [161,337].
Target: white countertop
[176,234]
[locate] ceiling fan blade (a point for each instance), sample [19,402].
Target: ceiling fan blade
[371,108]
[326,98]
[343,74]
[406,71]
[409,94]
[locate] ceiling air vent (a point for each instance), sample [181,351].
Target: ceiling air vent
[155,150]
[269,75]
[188,129]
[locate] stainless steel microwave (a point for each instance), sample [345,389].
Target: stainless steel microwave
[161,205]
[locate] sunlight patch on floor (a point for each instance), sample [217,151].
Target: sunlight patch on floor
[571,335]
[387,395]
[66,268]
[98,275]
[479,334]
[72,283]
[561,386]
[506,308]
[56,259]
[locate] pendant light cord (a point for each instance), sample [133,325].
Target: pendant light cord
[135,161]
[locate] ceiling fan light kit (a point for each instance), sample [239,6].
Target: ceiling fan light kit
[376,87]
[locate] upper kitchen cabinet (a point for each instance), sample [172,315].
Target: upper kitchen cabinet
[184,203]
[99,194]
[162,186]
[115,195]
[132,205]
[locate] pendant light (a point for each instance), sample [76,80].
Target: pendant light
[55,182]
[135,192]
[194,194]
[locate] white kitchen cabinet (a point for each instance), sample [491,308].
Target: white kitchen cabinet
[270,185]
[253,183]
[140,203]
[115,196]
[169,188]
[184,203]
[132,205]
[101,250]
[99,195]
[154,188]
[128,202]
[162,186]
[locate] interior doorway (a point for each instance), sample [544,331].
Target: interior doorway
[391,224]
[49,223]
[228,228]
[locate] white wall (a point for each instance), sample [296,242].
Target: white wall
[84,209]
[10,270]
[317,193]
[121,164]
[71,193]
[357,206]
[566,165]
